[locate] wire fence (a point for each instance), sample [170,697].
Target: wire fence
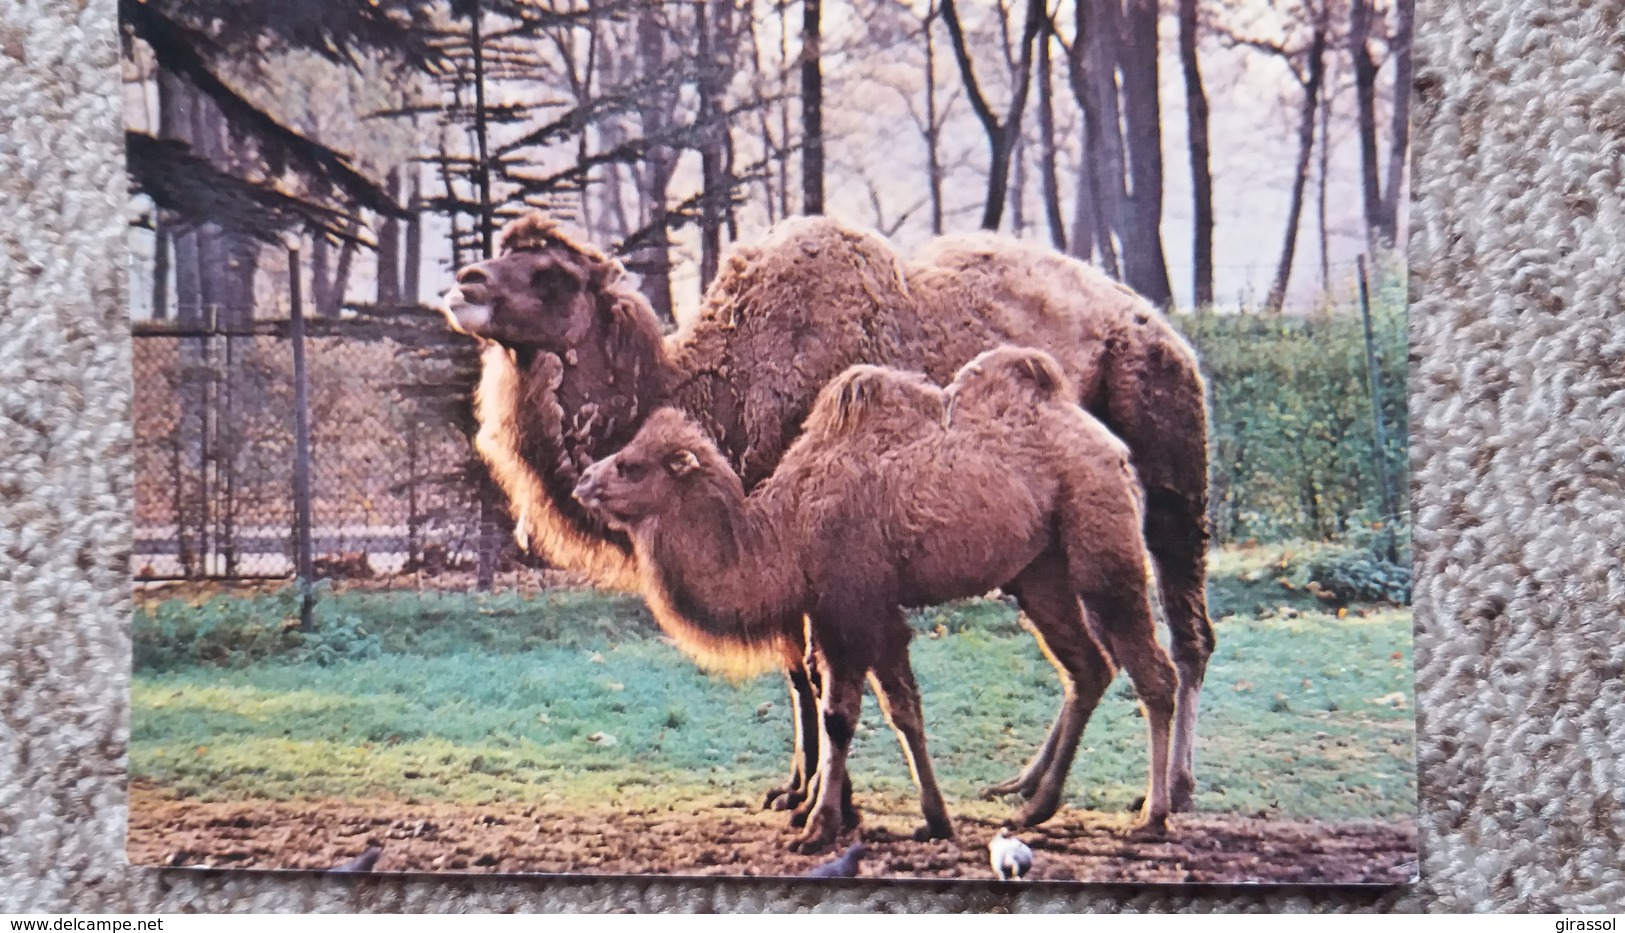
[395,495]
[338,448]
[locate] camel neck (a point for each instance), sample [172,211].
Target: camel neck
[612,380]
[721,564]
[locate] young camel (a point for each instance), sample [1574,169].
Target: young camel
[900,494]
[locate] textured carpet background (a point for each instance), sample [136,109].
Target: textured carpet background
[1518,439]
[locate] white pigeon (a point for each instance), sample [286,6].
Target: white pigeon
[1009,856]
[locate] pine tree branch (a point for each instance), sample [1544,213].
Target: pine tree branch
[177,46]
[179,180]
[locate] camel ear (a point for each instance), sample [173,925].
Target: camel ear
[682,462]
[600,274]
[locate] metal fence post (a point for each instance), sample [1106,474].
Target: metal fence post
[1379,431]
[301,432]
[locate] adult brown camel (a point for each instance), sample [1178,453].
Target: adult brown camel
[896,494]
[782,318]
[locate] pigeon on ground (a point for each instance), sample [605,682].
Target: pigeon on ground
[1009,856]
[361,863]
[844,867]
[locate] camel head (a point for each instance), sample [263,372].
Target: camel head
[539,292]
[668,464]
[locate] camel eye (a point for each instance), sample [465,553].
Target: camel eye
[553,283]
[631,472]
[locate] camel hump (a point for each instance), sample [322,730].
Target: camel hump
[865,397]
[1008,369]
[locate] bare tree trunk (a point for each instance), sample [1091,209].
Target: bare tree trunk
[784,109]
[160,265]
[1092,69]
[1018,187]
[1001,134]
[611,133]
[1085,216]
[933,127]
[655,113]
[764,127]
[175,103]
[1046,129]
[412,271]
[341,276]
[1306,144]
[1399,136]
[389,247]
[1365,93]
[449,186]
[1196,116]
[321,274]
[243,259]
[1321,181]
[482,168]
[711,128]
[330,275]
[1145,269]
[210,252]
[812,110]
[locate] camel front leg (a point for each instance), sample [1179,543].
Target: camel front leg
[811,724]
[899,696]
[804,756]
[840,701]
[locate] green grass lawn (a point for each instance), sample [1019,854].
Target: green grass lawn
[567,697]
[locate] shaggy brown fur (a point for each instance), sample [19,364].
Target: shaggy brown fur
[886,501]
[579,361]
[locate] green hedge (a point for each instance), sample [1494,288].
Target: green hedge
[1291,442]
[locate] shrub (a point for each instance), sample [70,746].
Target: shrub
[1291,432]
[1360,576]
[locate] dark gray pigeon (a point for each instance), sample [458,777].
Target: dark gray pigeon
[844,867]
[1009,856]
[361,863]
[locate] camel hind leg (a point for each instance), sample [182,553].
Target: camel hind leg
[893,680]
[1121,615]
[1178,548]
[1053,615]
[1154,399]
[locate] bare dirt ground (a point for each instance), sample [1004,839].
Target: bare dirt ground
[734,838]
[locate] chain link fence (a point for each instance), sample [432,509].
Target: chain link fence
[397,496]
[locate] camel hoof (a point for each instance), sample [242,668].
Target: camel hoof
[1036,812]
[928,832]
[995,791]
[814,839]
[798,816]
[1149,828]
[802,846]
[783,798]
[1182,795]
